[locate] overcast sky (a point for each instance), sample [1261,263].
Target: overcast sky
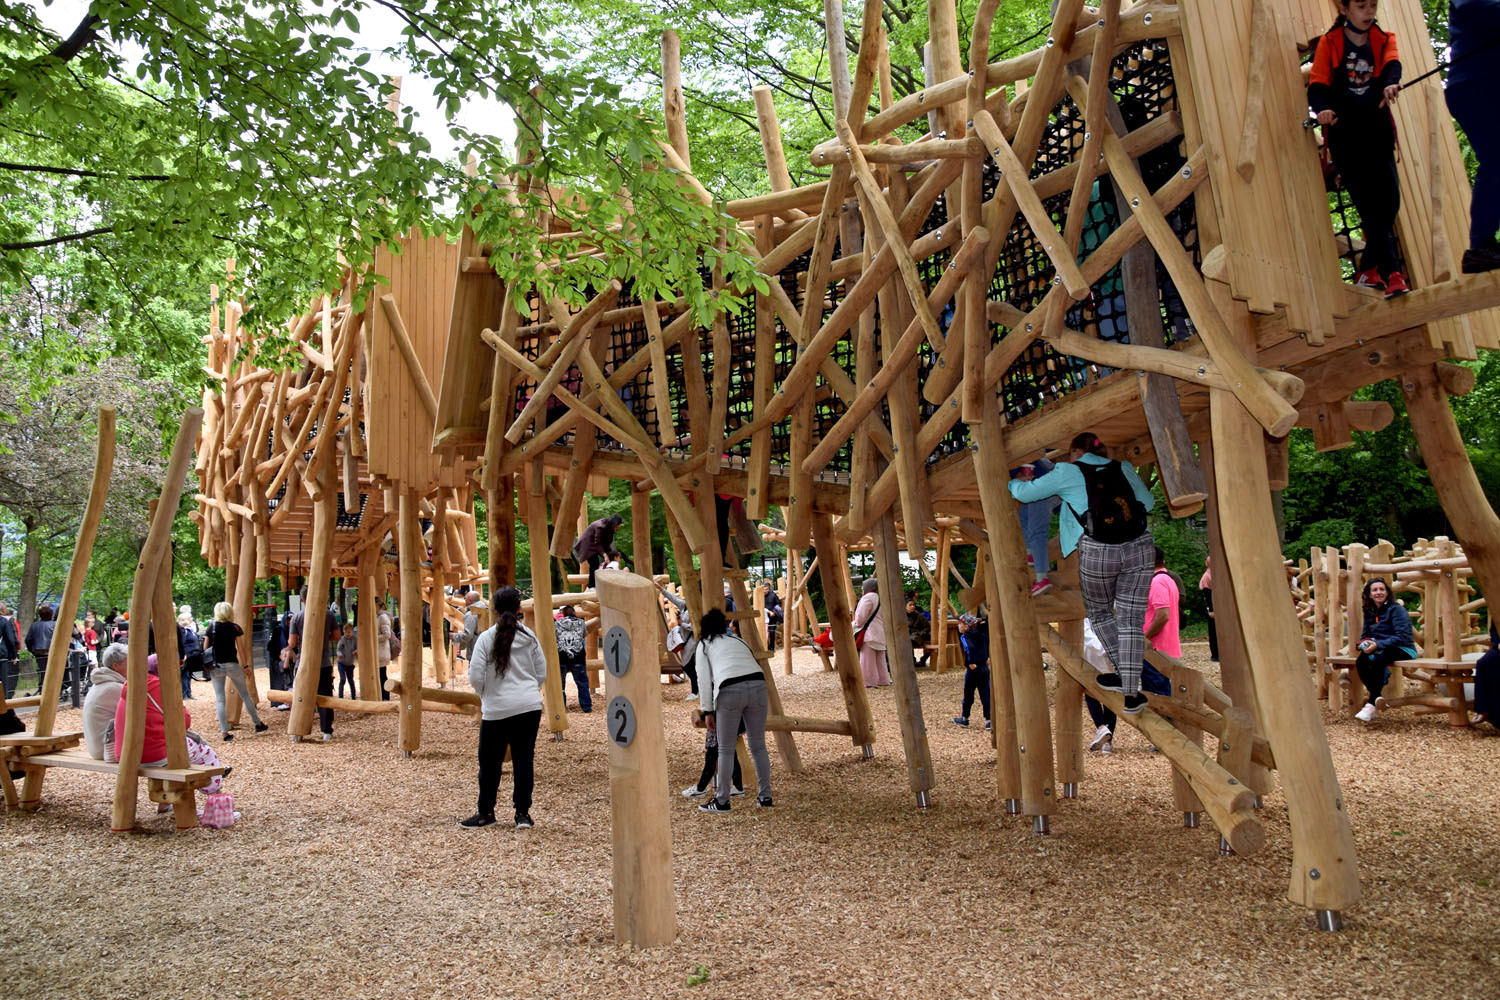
[378,29]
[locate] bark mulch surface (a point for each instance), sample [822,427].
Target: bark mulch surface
[348,877]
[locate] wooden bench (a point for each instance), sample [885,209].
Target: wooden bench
[1429,672]
[163,784]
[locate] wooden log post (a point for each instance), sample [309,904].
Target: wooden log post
[836,587]
[640,532]
[1469,512]
[315,618]
[368,652]
[83,548]
[541,604]
[1012,598]
[244,605]
[169,672]
[645,903]
[410,549]
[1234,660]
[157,548]
[1187,687]
[1324,874]
[1002,700]
[903,666]
[1067,716]
[500,519]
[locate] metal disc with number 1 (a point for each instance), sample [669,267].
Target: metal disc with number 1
[617,651]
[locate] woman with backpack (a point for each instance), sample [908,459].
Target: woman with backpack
[1105,520]
[507,672]
[222,636]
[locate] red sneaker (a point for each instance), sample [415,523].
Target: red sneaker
[1370,278]
[1395,285]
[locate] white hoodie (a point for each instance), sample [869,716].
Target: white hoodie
[99,708]
[519,690]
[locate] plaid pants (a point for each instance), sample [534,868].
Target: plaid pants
[1116,584]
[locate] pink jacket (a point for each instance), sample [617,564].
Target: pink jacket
[155,746]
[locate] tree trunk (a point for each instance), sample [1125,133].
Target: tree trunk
[31,571]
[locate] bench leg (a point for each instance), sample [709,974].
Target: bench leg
[12,801]
[31,789]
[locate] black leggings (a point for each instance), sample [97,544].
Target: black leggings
[346,676]
[976,678]
[711,765]
[1373,669]
[518,734]
[1365,154]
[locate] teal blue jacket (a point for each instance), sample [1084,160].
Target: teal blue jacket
[1066,481]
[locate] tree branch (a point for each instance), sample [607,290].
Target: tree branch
[41,168]
[55,240]
[84,35]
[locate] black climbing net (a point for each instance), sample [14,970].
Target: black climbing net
[1142,86]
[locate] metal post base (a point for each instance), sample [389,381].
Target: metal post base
[1224,848]
[867,752]
[1070,789]
[406,755]
[1190,820]
[295,738]
[1330,920]
[557,737]
[1012,807]
[1040,826]
[924,800]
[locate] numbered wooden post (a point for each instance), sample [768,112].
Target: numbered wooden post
[641,828]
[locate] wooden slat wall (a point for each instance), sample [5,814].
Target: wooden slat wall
[1266,269]
[469,362]
[397,428]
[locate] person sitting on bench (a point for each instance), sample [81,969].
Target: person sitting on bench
[108,681]
[1385,639]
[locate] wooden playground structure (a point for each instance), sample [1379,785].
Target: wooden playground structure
[1124,230]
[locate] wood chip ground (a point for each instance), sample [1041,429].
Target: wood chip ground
[347,876]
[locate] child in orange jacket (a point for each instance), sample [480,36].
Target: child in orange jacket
[1356,74]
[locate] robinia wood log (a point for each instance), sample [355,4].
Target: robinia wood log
[1325,875]
[311,651]
[410,550]
[157,548]
[83,548]
[645,902]
[1447,460]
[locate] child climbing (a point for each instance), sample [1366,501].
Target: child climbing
[1356,74]
[1105,520]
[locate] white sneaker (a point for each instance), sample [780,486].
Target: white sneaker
[1102,735]
[1107,747]
[694,792]
[1367,713]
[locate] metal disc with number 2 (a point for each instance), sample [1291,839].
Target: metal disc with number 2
[617,651]
[620,718]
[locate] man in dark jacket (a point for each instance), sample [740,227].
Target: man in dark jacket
[10,649]
[39,641]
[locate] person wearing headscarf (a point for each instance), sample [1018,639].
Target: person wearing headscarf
[868,624]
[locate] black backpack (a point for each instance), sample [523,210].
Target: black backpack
[1114,515]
